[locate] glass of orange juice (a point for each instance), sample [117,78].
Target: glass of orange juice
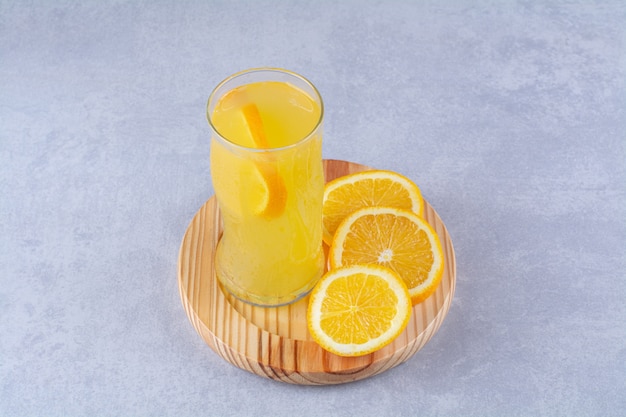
[266,168]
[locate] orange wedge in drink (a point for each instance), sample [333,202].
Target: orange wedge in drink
[274,199]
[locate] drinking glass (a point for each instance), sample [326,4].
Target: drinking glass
[266,169]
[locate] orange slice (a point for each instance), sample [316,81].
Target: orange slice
[275,190]
[358,310]
[395,238]
[349,193]
[255,125]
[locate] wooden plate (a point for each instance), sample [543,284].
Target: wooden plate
[275,342]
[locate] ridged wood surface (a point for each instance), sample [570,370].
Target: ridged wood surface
[275,342]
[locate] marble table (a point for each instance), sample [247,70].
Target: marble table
[510,116]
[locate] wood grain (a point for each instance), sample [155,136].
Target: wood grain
[275,342]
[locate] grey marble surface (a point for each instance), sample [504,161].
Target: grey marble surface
[510,115]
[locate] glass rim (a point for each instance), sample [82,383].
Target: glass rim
[304,139]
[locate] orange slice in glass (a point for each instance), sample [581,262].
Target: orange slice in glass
[275,190]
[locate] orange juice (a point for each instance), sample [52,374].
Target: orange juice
[266,168]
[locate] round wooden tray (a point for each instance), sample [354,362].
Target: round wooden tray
[275,342]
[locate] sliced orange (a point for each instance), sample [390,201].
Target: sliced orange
[275,190]
[357,310]
[349,193]
[395,238]
[255,125]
